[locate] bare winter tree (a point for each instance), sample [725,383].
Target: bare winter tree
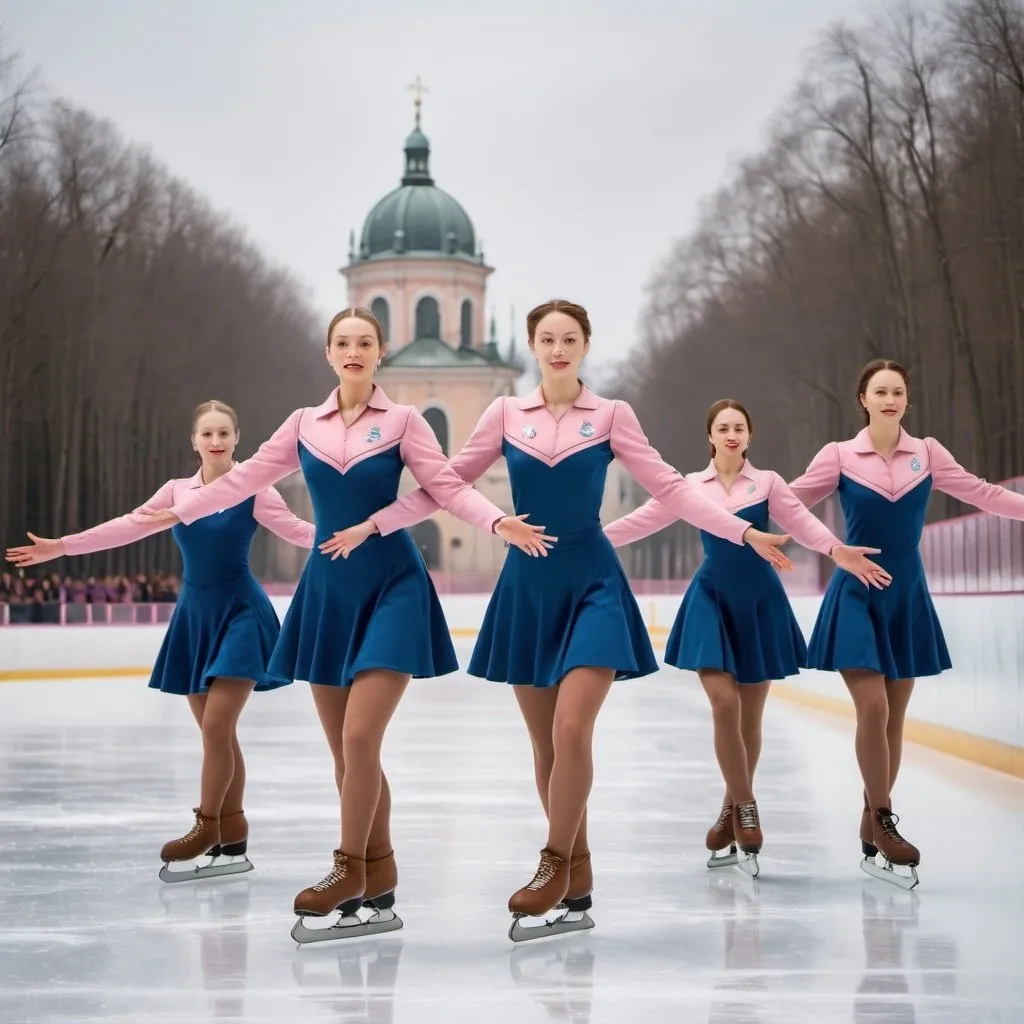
[124,302]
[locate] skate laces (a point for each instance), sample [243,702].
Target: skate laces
[748,816]
[337,873]
[888,821]
[724,818]
[197,828]
[548,866]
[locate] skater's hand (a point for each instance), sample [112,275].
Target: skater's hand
[162,517]
[532,540]
[768,546]
[855,562]
[42,549]
[344,542]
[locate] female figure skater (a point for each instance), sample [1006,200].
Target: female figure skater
[220,636]
[359,630]
[735,627]
[881,641]
[561,630]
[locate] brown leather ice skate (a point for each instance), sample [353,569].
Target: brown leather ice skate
[746,824]
[234,835]
[867,832]
[203,837]
[890,843]
[721,835]
[581,883]
[381,881]
[546,891]
[342,889]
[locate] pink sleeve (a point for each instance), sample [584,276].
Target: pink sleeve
[649,518]
[792,515]
[664,483]
[820,479]
[270,511]
[123,530]
[276,458]
[423,457]
[480,452]
[949,476]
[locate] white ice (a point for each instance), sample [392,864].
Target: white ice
[96,775]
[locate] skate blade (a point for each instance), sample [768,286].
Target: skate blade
[567,921]
[214,868]
[886,872]
[724,860]
[749,865]
[350,927]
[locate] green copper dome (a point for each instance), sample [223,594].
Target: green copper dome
[418,218]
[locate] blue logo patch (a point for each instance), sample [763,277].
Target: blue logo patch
[587,430]
[915,464]
[373,435]
[529,432]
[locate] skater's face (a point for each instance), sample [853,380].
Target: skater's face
[215,438]
[885,397]
[730,434]
[354,350]
[559,345]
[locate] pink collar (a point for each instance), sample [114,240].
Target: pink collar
[535,399]
[378,400]
[711,473]
[862,443]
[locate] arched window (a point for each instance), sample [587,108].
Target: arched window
[382,311]
[428,318]
[439,425]
[466,324]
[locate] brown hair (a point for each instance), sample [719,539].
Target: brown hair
[360,313]
[214,406]
[875,366]
[721,405]
[577,312]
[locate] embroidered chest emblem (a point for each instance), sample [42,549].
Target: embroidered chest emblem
[915,464]
[587,430]
[373,435]
[751,488]
[529,432]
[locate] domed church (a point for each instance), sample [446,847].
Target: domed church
[420,268]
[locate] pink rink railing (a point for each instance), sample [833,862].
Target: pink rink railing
[972,554]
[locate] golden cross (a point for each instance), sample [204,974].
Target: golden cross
[419,89]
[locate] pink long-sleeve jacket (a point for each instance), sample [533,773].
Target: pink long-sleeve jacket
[526,424]
[751,487]
[322,432]
[914,461]
[269,510]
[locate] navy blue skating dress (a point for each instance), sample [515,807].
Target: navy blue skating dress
[223,624]
[894,632]
[735,616]
[377,609]
[574,608]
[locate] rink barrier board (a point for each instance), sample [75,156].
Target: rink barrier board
[974,712]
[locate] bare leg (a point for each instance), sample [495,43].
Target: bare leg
[872,706]
[217,713]
[723,693]
[581,694]
[898,692]
[537,705]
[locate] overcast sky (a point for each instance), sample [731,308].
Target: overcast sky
[580,135]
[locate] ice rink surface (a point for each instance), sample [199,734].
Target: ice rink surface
[96,775]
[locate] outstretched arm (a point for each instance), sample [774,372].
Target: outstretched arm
[270,511]
[949,476]
[649,518]
[474,458]
[794,517]
[114,533]
[820,479]
[276,458]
